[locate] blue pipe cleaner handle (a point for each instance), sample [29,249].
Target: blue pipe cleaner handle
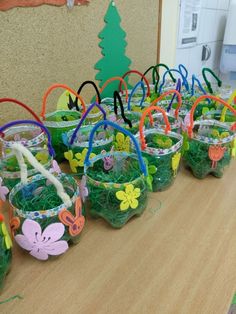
[140,83]
[119,128]
[73,137]
[181,67]
[195,79]
[178,88]
[185,82]
[17,122]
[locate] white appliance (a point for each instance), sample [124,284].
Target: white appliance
[228,56]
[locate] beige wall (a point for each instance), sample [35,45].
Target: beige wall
[169,31]
[44,45]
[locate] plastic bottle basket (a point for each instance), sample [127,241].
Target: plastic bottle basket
[14,132]
[173,114]
[209,144]
[60,121]
[161,150]
[47,210]
[117,187]
[77,141]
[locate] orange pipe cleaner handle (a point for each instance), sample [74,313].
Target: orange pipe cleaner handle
[145,113]
[54,86]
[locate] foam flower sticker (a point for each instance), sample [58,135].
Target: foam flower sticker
[151,169]
[175,162]
[128,197]
[42,244]
[122,142]
[75,223]
[81,156]
[83,189]
[42,157]
[73,162]
[3,191]
[233,148]
[4,233]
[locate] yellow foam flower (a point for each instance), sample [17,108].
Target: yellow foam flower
[233,148]
[7,239]
[122,142]
[175,162]
[128,197]
[81,156]
[73,162]
[42,157]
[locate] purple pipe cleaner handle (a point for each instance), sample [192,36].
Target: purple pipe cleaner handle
[73,137]
[17,122]
[178,88]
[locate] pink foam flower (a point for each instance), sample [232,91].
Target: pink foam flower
[42,244]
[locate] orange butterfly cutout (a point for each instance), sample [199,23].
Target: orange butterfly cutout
[76,223]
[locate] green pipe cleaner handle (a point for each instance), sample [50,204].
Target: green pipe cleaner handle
[116,96]
[208,84]
[87,162]
[154,73]
[167,68]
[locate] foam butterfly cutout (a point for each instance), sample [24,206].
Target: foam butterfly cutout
[216,134]
[75,223]
[109,160]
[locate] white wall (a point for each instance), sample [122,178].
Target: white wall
[211,32]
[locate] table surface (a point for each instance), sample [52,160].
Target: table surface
[178,257]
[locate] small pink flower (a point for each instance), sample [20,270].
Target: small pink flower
[42,244]
[3,191]
[83,189]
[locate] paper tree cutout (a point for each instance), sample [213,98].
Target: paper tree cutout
[113,44]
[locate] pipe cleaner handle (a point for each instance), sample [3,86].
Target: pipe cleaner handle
[119,128]
[183,69]
[117,96]
[140,83]
[141,75]
[17,122]
[112,79]
[178,88]
[195,79]
[167,68]
[73,137]
[185,83]
[169,92]
[51,88]
[15,101]
[80,89]
[208,84]
[154,72]
[230,101]
[21,151]
[198,101]
[145,113]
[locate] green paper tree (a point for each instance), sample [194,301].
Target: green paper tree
[113,44]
